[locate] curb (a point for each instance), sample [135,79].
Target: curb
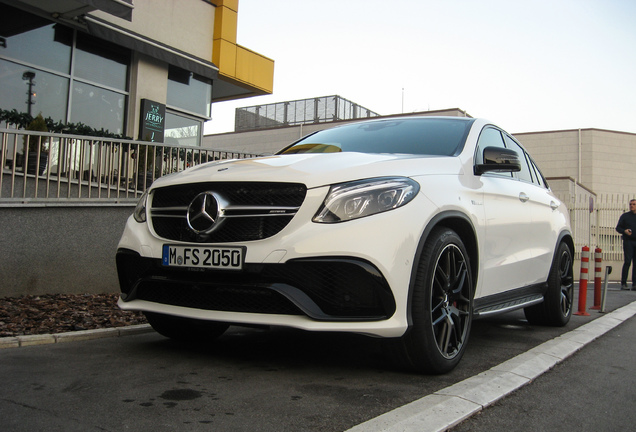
[452,405]
[43,339]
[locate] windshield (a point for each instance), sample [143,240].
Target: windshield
[419,136]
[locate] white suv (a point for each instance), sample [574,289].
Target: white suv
[401,228]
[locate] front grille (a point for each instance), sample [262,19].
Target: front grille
[324,289]
[263,209]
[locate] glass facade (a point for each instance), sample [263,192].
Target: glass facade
[93,105]
[77,78]
[48,46]
[51,91]
[74,77]
[100,62]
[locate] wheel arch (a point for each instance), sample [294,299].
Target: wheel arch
[565,237]
[463,226]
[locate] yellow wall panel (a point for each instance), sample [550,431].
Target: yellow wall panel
[254,69]
[238,65]
[225,57]
[225,24]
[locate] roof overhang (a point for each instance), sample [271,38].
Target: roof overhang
[69,9]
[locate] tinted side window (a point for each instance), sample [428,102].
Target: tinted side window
[539,179]
[524,174]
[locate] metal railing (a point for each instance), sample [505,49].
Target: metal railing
[46,168]
[305,111]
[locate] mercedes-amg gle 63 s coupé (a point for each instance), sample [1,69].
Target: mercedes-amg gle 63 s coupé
[402,228]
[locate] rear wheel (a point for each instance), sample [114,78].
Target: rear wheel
[185,329]
[556,308]
[441,308]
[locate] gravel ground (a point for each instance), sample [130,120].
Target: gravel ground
[59,313]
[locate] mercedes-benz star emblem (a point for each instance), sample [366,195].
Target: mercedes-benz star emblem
[203,213]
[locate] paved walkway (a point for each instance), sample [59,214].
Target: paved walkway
[452,405]
[594,390]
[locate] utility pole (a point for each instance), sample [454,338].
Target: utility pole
[28,76]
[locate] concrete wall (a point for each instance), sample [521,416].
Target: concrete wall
[49,250]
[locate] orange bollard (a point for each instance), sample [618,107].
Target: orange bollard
[598,259]
[585,263]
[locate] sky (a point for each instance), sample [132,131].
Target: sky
[525,65]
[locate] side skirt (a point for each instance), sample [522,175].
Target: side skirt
[509,300]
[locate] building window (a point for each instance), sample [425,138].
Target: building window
[98,107]
[182,130]
[100,62]
[50,91]
[74,77]
[38,43]
[189,102]
[189,92]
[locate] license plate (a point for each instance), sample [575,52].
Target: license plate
[230,258]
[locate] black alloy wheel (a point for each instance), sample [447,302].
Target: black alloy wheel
[556,309]
[450,301]
[441,307]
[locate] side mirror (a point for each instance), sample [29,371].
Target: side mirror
[500,160]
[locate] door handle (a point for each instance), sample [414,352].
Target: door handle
[523,197]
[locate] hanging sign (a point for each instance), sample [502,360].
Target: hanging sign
[152,123]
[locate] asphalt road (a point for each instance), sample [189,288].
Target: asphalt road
[250,379]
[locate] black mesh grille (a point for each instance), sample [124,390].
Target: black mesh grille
[232,230]
[174,227]
[331,288]
[339,288]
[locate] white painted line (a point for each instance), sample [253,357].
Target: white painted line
[450,406]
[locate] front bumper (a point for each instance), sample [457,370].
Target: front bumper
[323,289]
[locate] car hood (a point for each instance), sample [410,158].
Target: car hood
[315,169]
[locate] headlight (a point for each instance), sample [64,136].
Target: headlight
[140,211]
[363,198]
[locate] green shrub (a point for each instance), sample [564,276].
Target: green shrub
[37,125]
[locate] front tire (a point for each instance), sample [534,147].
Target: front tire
[556,309]
[186,329]
[441,307]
